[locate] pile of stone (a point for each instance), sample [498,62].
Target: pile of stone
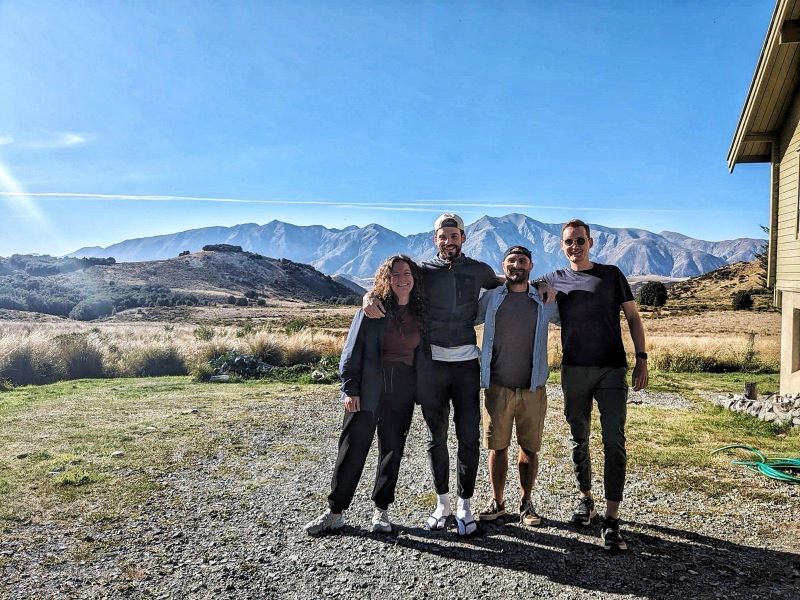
[245,366]
[774,408]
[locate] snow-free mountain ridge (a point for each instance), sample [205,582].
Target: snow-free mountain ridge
[358,251]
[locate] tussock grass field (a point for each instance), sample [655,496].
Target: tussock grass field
[45,352]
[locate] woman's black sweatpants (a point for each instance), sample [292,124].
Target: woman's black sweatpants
[393,419]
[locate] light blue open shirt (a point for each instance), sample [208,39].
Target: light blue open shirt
[487,310]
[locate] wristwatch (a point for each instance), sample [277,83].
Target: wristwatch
[642,355]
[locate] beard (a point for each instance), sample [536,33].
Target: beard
[449,252]
[517,276]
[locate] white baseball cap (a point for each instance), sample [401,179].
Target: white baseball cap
[448,220]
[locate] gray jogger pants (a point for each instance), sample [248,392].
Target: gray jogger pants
[609,388]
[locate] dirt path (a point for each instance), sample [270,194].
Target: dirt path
[231,526]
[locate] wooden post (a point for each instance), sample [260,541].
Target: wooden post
[751,390]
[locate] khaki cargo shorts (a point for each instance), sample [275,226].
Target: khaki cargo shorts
[503,406]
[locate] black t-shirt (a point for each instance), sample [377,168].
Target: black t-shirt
[589,304]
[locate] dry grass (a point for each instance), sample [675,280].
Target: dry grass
[43,352]
[48,352]
[718,341]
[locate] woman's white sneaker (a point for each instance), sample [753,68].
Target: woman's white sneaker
[327,521]
[381,522]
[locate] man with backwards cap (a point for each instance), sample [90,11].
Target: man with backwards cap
[514,372]
[453,283]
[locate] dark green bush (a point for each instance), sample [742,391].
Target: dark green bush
[652,293]
[204,333]
[296,324]
[742,300]
[11,303]
[91,308]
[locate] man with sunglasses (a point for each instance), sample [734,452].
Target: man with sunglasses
[594,366]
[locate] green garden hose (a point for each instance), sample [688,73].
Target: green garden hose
[781,469]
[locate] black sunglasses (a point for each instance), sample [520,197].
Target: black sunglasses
[580,241]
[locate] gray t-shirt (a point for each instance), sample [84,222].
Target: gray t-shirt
[512,352]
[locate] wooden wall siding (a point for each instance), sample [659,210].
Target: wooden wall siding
[787,267]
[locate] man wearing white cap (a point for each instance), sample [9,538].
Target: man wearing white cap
[453,283]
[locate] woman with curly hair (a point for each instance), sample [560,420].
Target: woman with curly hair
[383,363]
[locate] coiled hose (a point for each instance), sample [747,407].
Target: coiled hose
[780,469]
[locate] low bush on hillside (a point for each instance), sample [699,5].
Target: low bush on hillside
[91,309]
[652,293]
[44,265]
[742,300]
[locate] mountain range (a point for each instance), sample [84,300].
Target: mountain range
[356,252]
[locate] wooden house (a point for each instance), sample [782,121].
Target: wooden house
[769,132]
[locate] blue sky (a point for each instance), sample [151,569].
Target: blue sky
[122,119]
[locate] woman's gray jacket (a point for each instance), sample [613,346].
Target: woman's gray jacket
[362,360]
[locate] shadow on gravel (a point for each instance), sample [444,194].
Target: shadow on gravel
[662,563]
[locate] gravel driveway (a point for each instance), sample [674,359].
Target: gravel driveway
[231,526]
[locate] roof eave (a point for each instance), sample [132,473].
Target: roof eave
[770,44]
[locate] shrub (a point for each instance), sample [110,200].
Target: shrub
[231,299]
[12,303]
[742,300]
[241,302]
[652,293]
[245,330]
[252,294]
[82,359]
[295,325]
[261,302]
[212,350]
[91,308]
[204,333]
[30,363]
[266,348]
[202,372]
[154,361]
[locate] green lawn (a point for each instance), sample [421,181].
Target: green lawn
[95,448]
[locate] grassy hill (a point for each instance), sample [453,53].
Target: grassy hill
[717,288]
[222,274]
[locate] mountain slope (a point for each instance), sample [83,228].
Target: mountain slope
[358,251]
[199,278]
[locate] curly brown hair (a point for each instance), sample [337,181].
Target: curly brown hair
[416,302]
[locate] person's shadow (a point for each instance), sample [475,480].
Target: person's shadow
[662,562]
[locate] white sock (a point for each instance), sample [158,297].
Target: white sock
[442,506]
[463,509]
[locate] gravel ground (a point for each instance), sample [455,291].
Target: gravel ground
[231,526]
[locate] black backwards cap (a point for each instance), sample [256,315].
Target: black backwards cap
[518,250]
